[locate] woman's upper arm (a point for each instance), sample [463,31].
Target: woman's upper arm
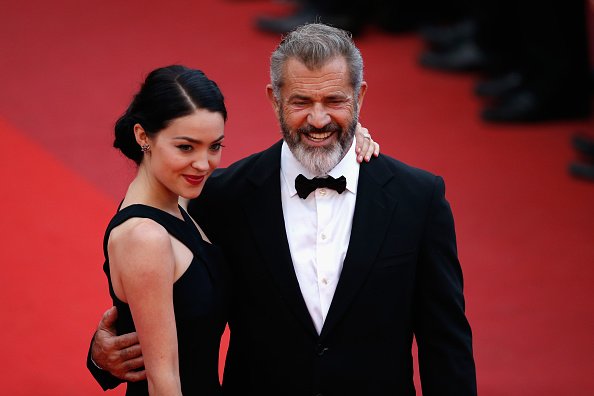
[144,260]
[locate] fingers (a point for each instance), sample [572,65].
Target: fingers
[133,365]
[368,148]
[376,151]
[108,321]
[129,353]
[134,376]
[126,342]
[120,355]
[364,146]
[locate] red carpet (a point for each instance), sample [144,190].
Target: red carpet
[68,68]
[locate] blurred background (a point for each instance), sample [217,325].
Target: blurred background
[493,96]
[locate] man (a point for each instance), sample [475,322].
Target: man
[330,286]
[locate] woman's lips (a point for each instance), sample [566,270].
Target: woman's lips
[194,180]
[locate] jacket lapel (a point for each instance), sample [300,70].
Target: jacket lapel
[373,212]
[263,208]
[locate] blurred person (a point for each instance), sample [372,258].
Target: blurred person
[533,57]
[351,15]
[540,65]
[583,168]
[345,14]
[330,287]
[450,35]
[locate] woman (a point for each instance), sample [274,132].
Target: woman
[165,278]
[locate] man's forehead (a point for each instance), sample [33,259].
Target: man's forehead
[332,76]
[294,65]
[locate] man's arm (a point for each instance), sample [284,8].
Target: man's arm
[442,331]
[113,359]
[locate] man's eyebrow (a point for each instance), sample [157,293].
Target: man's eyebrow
[299,97]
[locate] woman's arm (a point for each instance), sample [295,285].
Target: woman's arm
[142,267]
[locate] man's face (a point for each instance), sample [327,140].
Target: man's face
[318,112]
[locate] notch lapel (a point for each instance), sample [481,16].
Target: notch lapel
[263,208]
[373,213]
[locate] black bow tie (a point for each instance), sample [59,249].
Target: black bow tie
[305,186]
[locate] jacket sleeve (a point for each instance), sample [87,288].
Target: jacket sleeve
[442,331]
[103,377]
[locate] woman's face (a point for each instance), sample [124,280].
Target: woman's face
[184,154]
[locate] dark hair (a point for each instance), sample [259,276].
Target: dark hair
[166,94]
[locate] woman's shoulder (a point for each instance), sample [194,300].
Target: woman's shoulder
[139,229]
[140,239]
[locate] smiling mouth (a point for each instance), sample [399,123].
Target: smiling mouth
[318,136]
[193,179]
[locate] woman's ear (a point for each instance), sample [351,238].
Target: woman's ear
[140,135]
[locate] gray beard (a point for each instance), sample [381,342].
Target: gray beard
[319,160]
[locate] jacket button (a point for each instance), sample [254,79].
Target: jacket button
[321,349]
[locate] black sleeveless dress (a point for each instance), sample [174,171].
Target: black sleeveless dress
[200,299]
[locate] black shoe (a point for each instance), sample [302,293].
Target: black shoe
[288,23]
[500,86]
[525,106]
[305,15]
[465,57]
[582,171]
[584,145]
[448,37]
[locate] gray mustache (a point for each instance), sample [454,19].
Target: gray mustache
[332,127]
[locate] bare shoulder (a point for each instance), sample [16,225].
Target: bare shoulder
[140,243]
[139,230]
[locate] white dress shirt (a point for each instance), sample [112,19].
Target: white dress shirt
[318,230]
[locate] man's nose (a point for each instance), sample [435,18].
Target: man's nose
[318,117]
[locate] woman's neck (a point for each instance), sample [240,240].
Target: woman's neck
[146,190]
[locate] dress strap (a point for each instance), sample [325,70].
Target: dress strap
[183,230]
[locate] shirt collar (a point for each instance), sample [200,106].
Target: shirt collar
[347,167]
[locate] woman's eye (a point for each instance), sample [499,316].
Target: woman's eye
[184,147]
[216,147]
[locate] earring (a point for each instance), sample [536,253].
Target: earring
[145,148]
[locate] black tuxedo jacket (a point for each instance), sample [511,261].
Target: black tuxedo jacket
[401,276]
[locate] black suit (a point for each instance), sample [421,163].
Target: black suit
[401,275]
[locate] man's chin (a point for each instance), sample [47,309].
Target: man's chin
[318,160]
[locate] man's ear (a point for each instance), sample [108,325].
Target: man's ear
[361,95]
[272,98]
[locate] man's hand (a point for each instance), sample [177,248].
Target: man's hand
[365,146]
[120,355]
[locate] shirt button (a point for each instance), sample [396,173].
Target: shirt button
[324,237]
[322,191]
[325,281]
[321,350]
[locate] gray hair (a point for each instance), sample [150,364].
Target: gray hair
[314,45]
